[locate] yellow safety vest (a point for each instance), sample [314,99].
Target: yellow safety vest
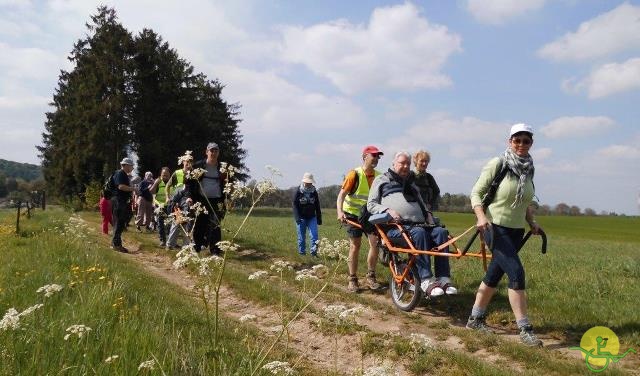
[161,193]
[179,174]
[353,202]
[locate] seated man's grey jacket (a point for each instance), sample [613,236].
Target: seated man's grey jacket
[390,191]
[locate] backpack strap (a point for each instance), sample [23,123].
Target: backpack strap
[488,197]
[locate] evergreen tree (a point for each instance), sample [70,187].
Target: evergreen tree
[131,95]
[88,131]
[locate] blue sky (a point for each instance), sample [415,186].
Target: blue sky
[317,81]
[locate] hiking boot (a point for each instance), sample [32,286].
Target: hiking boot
[478,323]
[120,248]
[528,338]
[371,281]
[353,284]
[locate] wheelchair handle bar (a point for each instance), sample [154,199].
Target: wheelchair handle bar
[524,240]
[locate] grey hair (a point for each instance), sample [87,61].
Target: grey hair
[398,154]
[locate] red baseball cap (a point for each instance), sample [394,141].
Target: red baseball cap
[371,150]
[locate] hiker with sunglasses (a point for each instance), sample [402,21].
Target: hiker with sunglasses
[502,226]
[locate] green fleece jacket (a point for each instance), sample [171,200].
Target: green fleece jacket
[500,211]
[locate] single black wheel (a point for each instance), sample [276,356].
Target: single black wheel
[406,294]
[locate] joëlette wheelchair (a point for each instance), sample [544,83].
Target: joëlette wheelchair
[399,254]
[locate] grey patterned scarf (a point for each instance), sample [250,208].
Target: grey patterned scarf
[521,167]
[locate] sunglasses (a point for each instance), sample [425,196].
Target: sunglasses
[523,141]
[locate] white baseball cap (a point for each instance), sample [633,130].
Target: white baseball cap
[520,127]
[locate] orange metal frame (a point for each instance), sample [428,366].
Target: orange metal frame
[436,251]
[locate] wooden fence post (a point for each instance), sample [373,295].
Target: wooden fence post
[18,218]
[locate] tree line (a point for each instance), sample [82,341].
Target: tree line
[448,202]
[130,95]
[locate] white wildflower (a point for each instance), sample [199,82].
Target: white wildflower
[227,246]
[78,330]
[320,270]
[198,209]
[50,289]
[149,364]
[351,313]
[279,368]
[274,171]
[337,250]
[276,329]
[280,265]
[265,187]
[341,314]
[305,274]
[29,310]
[186,256]
[421,341]
[195,174]
[334,310]
[258,275]
[380,371]
[186,157]
[10,320]
[205,264]
[111,359]
[247,317]
[237,190]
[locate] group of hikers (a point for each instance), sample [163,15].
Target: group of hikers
[407,197]
[174,192]
[502,199]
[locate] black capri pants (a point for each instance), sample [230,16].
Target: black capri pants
[504,249]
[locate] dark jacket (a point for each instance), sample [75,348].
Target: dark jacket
[306,205]
[429,190]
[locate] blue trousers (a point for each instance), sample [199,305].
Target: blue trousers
[426,239]
[505,259]
[301,227]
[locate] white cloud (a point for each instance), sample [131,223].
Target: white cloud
[607,80]
[271,104]
[496,12]
[21,102]
[441,128]
[615,31]
[620,152]
[399,49]
[21,63]
[577,126]
[541,154]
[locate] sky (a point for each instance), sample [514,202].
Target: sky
[319,80]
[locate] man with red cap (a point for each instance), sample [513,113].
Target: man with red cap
[352,197]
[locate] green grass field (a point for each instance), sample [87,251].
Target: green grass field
[588,278]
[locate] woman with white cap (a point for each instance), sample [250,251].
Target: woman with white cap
[306,210]
[507,212]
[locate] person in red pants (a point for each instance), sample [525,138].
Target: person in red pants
[105,210]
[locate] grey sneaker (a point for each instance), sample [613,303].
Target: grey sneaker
[478,323]
[528,338]
[371,281]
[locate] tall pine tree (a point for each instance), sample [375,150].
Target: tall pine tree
[128,95]
[89,130]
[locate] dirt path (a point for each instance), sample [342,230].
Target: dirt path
[324,352]
[317,349]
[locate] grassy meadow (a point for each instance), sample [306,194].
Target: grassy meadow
[588,277]
[140,323]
